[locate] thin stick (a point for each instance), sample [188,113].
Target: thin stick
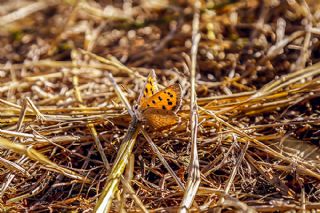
[194,172]
[234,172]
[133,195]
[35,109]
[23,12]
[111,186]
[121,95]
[164,162]
[90,126]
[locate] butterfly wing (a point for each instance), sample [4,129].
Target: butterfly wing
[150,88]
[160,118]
[166,99]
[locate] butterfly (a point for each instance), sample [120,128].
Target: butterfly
[158,108]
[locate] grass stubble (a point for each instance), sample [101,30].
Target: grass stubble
[249,137]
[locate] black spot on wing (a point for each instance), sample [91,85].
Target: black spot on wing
[169,103]
[153,101]
[146,90]
[163,107]
[160,99]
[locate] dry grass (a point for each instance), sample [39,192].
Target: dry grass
[249,138]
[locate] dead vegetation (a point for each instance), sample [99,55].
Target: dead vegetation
[249,138]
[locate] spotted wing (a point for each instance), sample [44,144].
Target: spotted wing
[166,99]
[150,88]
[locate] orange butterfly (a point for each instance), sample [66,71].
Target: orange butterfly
[158,108]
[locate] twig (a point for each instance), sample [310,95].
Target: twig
[23,12]
[164,162]
[111,186]
[193,181]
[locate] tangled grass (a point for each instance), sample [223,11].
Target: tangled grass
[249,137]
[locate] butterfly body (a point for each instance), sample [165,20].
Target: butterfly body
[158,108]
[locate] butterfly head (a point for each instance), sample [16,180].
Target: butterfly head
[138,112]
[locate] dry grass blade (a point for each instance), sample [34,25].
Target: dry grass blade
[222,202]
[249,134]
[14,167]
[193,181]
[23,12]
[12,105]
[115,63]
[162,159]
[10,177]
[34,192]
[75,81]
[19,134]
[128,176]
[35,109]
[99,146]
[131,192]
[288,80]
[300,164]
[111,186]
[121,95]
[111,13]
[37,156]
